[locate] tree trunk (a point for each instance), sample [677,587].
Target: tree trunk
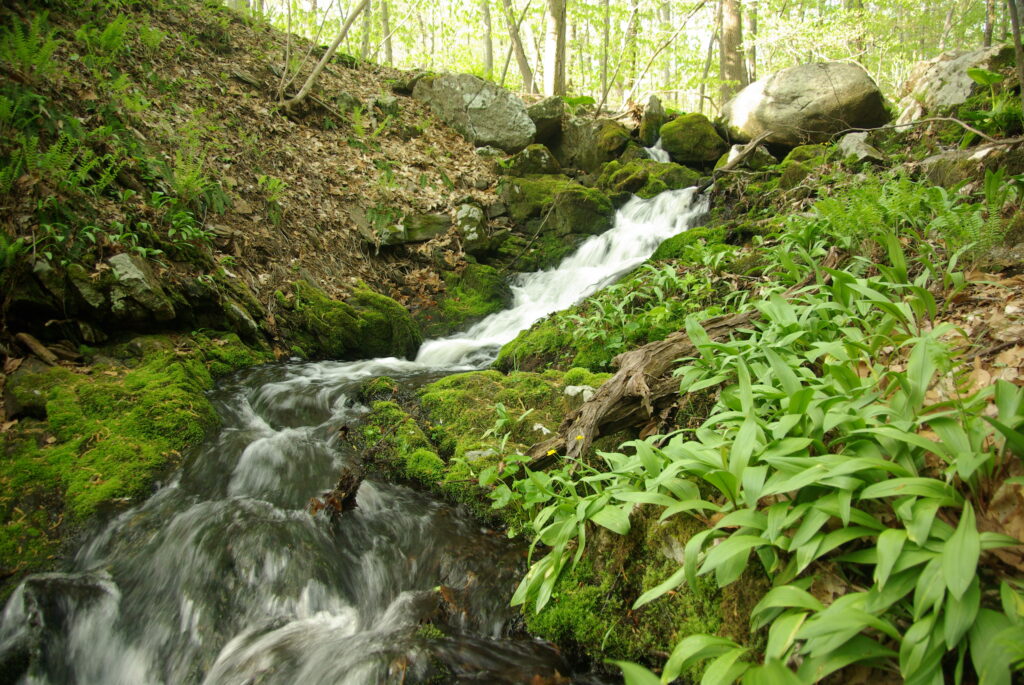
[554,49]
[630,46]
[385,25]
[731,63]
[707,61]
[668,65]
[517,47]
[364,44]
[604,46]
[752,50]
[990,22]
[485,8]
[1019,50]
[304,91]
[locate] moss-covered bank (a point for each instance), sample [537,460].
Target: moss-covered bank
[102,435]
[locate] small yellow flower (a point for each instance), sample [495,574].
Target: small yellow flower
[579,437]
[551,453]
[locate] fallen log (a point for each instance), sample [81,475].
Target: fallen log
[641,389]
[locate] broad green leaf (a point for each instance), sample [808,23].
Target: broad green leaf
[930,589]
[635,674]
[753,478]
[743,446]
[729,548]
[920,652]
[858,648]
[782,634]
[809,527]
[944,493]
[782,371]
[984,77]
[1008,401]
[960,614]
[615,519]
[787,596]
[1012,600]
[645,498]
[724,670]
[692,649]
[1014,438]
[745,518]
[890,544]
[771,673]
[990,658]
[690,553]
[699,337]
[674,581]
[991,540]
[922,518]
[960,555]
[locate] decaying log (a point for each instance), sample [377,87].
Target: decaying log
[636,393]
[37,348]
[642,387]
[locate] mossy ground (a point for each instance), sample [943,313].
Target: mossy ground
[110,431]
[470,295]
[644,178]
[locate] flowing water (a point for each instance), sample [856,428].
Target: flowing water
[658,153]
[222,576]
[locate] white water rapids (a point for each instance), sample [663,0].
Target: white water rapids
[223,577]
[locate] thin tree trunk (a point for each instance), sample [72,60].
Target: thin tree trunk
[604,46]
[630,46]
[1018,49]
[485,7]
[364,45]
[752,36]
[668,64]
[385,25]
[554,49]
[517,47]
[990,22]
[707,60]
[304,91]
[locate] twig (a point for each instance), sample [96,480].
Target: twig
[744,152]
[990,139]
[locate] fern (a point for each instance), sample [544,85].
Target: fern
[29,50]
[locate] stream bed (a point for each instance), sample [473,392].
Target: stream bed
[223,576]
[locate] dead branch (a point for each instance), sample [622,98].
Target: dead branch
[744,152]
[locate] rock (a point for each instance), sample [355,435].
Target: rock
[482,112]
[489,151]
[471,225]
[137,294]
[949,169]
[939,84]
[546,116]
[576,395]
[473,456]
[565,206]
[587,144]
[422,227]
[807,153]
[404,84]
[692,139]
[651,122]
[633,151]
[24,394]
[757,160]
[854,147]
[241,322]
[386,105]
[87,289]
[347,102]
[806,104]
[645,178]
[535,159]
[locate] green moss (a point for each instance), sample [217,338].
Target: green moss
[645,178]
[565,206]
[470,295]
[367,325]
[690,245]
[815,154]
[793,173]
[692,139]
[612,139]
[375,389]
[535,159]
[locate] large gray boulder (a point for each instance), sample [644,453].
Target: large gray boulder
[482,112]
[806,104]
[586,143]
[547,116]
[942,82]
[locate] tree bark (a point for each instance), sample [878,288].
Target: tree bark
[668,66]
[517,47]
[485,8]
[990,23]
[554,49]
[709,57]
[630,47]
[604,45]
[364,44]
[1014,11]
[731,69]
[752,50]
[385,25]
[304,91]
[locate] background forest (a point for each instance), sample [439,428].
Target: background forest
[689,54]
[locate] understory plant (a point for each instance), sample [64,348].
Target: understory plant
[847,449]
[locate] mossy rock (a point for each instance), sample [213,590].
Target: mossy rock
[645,178]
[793,174]
[535,159]
[814,154]
[689,245]
[470,295]
[692,139]
[564,205]
[367,325]
[611,139]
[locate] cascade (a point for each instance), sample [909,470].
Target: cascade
[223,577]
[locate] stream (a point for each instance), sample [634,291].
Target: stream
[222,576]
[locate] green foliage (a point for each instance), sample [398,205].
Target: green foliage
[273,188]
[825,449]
[31,49]
[103,46]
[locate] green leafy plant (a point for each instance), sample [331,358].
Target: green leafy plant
[274,189]
[30,49]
